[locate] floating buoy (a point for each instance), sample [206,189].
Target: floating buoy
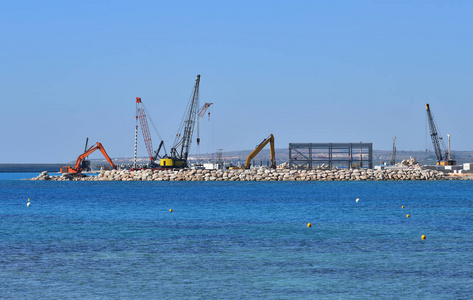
[408,216]
[28,203]
[170,210]
[357,199]
[423,237]
[402,206]
[309,225]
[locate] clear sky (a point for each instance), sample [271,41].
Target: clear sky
[306,71]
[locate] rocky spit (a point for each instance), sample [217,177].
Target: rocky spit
[257,174]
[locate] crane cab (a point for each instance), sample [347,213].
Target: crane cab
[66,169]
[172,163]
[446,163]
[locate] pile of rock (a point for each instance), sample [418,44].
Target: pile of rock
[284,165]
[411,162]
[64,177]
[43,176]
[258,174]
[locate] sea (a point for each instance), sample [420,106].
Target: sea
[235,240]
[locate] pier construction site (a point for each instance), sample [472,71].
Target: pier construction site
[305,161]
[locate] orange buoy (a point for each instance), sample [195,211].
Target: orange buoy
[170,210]
[309,225]
[423,237]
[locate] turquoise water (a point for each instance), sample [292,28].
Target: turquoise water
[235,240]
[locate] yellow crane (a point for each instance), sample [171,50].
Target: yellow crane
[269,139]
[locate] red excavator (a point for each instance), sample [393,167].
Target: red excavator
[82,164]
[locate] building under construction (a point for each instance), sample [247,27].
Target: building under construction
[330,155]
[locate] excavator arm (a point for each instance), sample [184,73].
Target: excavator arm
[257,150]
[77,168]
[102,149]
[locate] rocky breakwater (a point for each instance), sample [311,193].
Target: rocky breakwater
[259,174]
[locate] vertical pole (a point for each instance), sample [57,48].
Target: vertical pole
[310,156]
[393,155]
[290,157]
[361,156]
[330,156]
[136,142]
[350,159]
[448,157]
[138,100]
[370,155]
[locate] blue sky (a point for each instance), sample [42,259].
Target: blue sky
[306,71]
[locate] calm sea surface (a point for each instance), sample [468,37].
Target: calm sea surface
[235,240]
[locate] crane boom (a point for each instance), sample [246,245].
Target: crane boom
[141,116]
[183,140]
[202,111]
[434,134]
[441,159]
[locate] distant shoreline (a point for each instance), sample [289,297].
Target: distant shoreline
[21,168]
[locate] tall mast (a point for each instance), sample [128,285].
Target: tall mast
[136,142]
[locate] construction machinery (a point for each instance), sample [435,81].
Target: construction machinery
[442,154]
[183,139]
[258,148]
[141,117]
[82,164]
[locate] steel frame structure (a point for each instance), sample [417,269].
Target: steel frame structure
[330,155]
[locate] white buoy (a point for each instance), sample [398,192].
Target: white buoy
[357,199]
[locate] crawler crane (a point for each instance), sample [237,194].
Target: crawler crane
[443,159]
[141,117]
[183,140]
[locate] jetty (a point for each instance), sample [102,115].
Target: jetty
[258,174]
